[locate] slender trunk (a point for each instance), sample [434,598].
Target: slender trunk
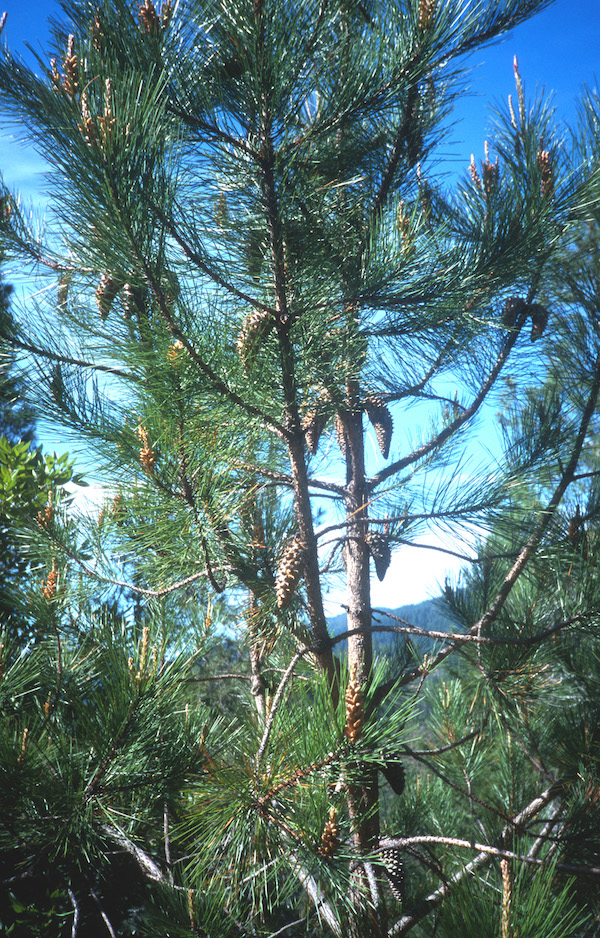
[356,553]
[312,579]
[362,792]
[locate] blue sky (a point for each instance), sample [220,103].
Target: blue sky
[558,50]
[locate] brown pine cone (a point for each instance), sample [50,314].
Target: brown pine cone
[394,870]
[106,291]
[381,418]
[393,771]
[379,547]
[289,572]
[539,320]
[255,327]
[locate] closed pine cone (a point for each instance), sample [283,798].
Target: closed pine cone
[106,291]
[539,320]
[132,300]
[394,868]
[255,327]
[379,546]
[313,425]
[329,837]
[379,414]
[512,309]
[341,434]
[289,572]
[394,773]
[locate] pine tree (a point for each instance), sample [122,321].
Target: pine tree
[276,323]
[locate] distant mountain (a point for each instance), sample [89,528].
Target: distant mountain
[429,615]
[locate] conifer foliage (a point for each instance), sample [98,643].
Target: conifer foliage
[274,323]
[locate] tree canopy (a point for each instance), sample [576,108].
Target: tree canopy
[278,325]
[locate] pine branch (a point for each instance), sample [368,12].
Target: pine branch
[543,836]
[399,149]
[528,550]
[201,264]
[147,865]
[113,749]
[459,421]
[438,752]
[173,326]
[133,587]
[210,131]
[167,841]
[444,778]
[400,843]
[276,702]
[218,677]
[76,913]
[323,907]
[460,638]
[103,914]
[567,478]
[287,480]
[410,919]
[67,360]
[284,928]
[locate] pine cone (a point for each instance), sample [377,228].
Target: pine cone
[255,327]
[148,19]
[175,353]
[62,290]
[379,546]
[340,431]
[381,418]
[147,454]
[132,299]
[313,425]
[512,309]
[289,572]
[394,870]
[393,771]
[427,10]
[221,211]
[106,291]
[48,587]
[329,837]
[148,460]
[539,320]
[576,533]
[117,509]
[546,173]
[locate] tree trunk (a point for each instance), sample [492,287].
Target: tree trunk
[362,791]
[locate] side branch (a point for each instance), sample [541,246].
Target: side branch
[401,843]
[529,548]
[67,360]
[435,898]
[196,259]
[458,422]
[276,701]
[175,329]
